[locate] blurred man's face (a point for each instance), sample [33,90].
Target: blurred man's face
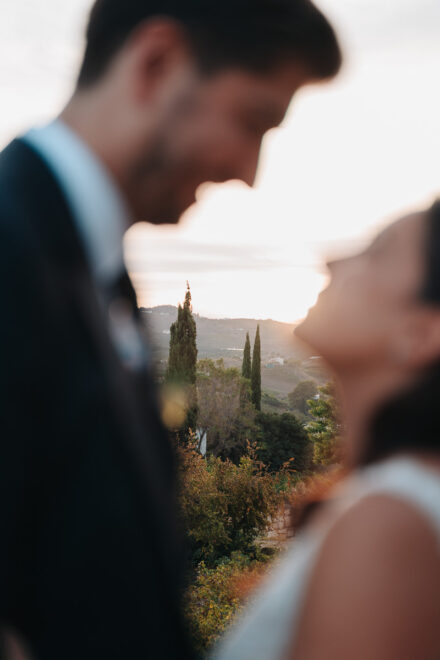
[207,129]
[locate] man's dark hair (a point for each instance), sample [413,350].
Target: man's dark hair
[251,34]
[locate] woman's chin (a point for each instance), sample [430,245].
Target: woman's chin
[302,331]
[310,332]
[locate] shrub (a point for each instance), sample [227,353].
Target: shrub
[282,439]
[217,596]
[226,507]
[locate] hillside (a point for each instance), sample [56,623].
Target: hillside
[284,361]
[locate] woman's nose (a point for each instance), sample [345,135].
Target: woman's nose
[334,265]
[331,265]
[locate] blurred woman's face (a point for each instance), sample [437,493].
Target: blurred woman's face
[365,315]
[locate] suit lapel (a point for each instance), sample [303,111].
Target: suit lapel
[67,263]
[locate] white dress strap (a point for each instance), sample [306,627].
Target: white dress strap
[406,478]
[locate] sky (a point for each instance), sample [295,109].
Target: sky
[350,156]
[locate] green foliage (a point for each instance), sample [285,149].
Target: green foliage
[183,348]
[247,367]
[324,430]
[256,372]
[282,440]
[225,506]
[216,597]
[226,414]
[182,362]
[270,401]
[304,391]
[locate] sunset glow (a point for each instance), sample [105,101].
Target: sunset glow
[349,157]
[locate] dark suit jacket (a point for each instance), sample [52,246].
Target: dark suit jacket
[90,553]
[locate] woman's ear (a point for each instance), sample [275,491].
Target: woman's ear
[418,342]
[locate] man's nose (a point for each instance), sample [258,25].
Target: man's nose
[248,175]
[246,166]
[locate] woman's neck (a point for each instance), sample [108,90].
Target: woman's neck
[361,395]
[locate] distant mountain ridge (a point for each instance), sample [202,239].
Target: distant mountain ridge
[223,338]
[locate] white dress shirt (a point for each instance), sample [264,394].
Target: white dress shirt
[99,211]
[101,218]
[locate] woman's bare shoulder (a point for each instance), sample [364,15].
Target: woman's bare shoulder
[375,588]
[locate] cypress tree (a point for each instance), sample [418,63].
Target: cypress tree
[256,372]
[182,360]
[246,367]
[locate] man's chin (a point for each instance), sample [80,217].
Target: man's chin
[169,215]
[165,216]
[165,220]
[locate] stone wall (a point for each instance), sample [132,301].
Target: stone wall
[280,527]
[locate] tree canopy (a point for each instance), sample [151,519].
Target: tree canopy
[298,398]
[283,440]
[225,506]
[226,414]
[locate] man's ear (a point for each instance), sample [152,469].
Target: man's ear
[158,51]
[418,343]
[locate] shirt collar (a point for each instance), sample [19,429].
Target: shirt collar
[100,213]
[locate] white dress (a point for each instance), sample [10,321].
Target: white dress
[268,627]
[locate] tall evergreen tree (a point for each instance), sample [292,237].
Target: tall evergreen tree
[256,372]
[182,358]
[246,368]
[182,361]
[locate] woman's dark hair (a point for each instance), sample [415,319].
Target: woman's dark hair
[250,34]
[411,420]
